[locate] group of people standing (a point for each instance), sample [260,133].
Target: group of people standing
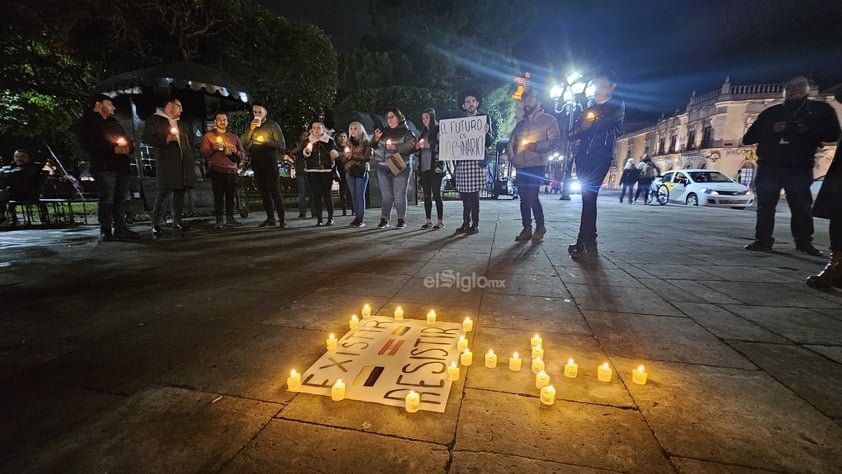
[642,175]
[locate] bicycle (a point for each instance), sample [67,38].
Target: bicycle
[658,192]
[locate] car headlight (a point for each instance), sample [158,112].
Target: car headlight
[710,191]
[749,193]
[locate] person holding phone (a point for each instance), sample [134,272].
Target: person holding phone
[395,143]
[264,141]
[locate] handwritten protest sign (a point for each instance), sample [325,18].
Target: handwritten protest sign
[462,138]
[383,359]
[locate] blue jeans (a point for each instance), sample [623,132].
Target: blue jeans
[393,189]
[112,189]
[356,186]
[528,184]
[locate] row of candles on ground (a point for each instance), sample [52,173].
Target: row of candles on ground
[467,324]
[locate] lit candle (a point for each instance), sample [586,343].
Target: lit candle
[542,379]
[468,324]
[548,395]
[366,312]
[218,139]
[219,144]
[453,371]
[337,392]
[591,115]
[491,359]
[537,365]
[571,369]
[347,150]
[537,351]
[413,402]
[431,317]
[604,373]
[467,358]
[524,142]
[536,340]
[294,381]
[330,342]
[174,130]
[121,141]
[515,362]
[462,343]
[388,142]
[639,376]
[398,313]
[355,322]
[260,139]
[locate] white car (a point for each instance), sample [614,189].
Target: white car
[702,188]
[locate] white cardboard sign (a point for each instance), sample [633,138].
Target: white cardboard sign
[462,138]
[383,359]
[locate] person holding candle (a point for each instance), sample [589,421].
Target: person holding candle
[223,150]
[264,140]
[470,175]
[530,145]
[174,162]
[595,133]
[305,195]
[395,140]
[357,154]
[109,149]
[430,168]
[341,139]
[320,152]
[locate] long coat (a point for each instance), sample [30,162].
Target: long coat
[174,162]
[828,203]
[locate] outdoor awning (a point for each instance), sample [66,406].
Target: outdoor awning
[179,75]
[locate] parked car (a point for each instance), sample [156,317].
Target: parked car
[698,187]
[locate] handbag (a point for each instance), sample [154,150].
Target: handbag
[396,164]
[357,170]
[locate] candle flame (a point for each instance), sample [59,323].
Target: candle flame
[542,374]
[605,366]
[173,130]
[218,139]
[490,352]
[570,362]
[461,338]
[640,369]
[431,313]
[515,356]
[338,382]
[353,317]
[453,364]
[467,351]
[293,373]
[331,336]
[537,359]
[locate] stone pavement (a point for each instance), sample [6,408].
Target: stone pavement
[172,355]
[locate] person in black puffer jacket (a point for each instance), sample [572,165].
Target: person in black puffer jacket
[319,154]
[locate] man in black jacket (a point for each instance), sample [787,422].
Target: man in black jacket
[787,137]
[595,133]
[264,141]
[109,148]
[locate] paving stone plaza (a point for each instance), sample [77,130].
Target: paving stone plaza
[172,355]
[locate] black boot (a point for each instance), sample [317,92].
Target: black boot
[463,229]
[829,276]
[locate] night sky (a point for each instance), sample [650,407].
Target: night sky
[661,50]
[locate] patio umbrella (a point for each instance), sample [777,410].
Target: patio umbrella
[181,75]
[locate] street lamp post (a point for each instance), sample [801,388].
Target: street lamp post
[569,100]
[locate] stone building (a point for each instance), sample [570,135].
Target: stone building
[708,134]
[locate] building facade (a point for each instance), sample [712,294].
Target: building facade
[709,133]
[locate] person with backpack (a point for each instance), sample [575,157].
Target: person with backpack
[647,173]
